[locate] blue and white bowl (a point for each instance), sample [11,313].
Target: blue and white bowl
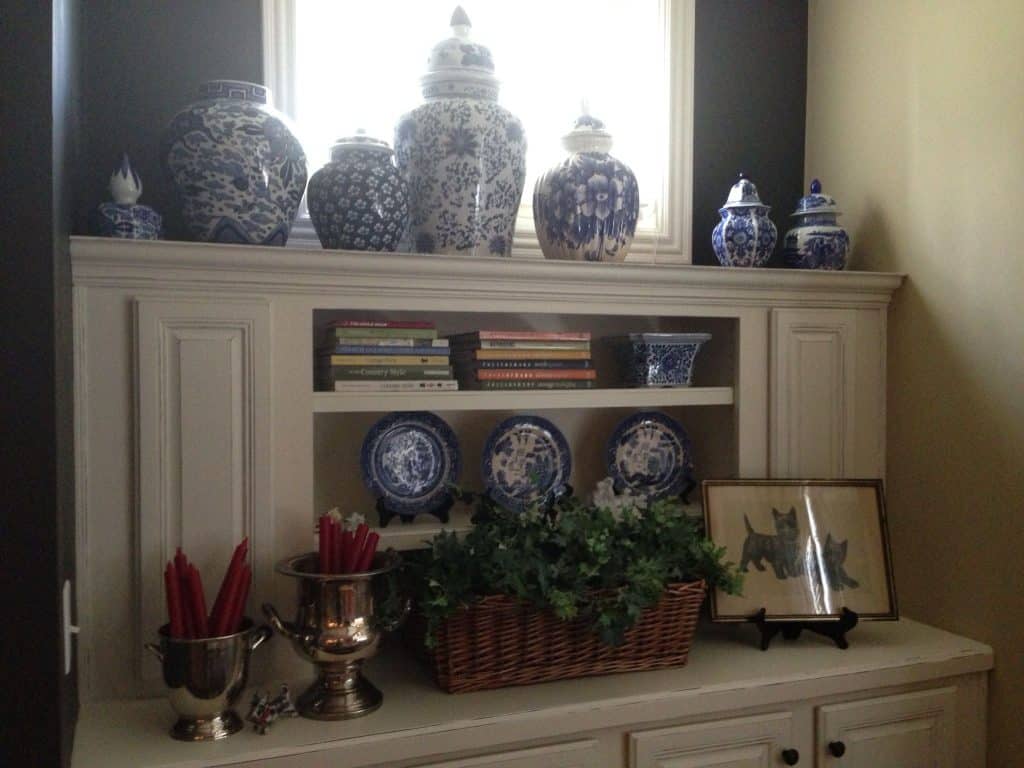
[817,241]
[659,359]
[239,171]
[745,237]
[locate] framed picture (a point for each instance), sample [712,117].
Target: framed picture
[806,548]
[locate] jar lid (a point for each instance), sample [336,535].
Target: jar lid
[816,202]
[458,63]
[588,134]
[359,140]
[743,195]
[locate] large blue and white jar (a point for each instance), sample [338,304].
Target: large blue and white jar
[586,207]
[745,237]
[239,171]
[463,154]
[817,241]
[359,201]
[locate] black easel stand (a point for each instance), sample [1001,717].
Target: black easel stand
[791,629]
[386,515]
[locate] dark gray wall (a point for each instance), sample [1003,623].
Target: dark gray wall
[38,122]
[143,61]
[750,95]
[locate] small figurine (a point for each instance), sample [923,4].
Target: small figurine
[125,217]
[265,710]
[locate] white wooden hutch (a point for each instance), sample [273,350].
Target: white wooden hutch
[197,424]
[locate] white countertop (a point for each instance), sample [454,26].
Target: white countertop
[726,667]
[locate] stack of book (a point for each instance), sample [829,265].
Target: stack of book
[384,356]
[523,360]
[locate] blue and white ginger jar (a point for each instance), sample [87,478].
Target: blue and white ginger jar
[238,169]
[817,241]
[745,237]
[463,154]
[586,207]
[359,200]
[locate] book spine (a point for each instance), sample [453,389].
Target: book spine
[388,372]
[384,333]
[370,341]
[369,349]
[420,385]
[530,354]
[404,360]
[505,344]
[530,364]
[525,335]
[382,324]
[552,374]
[513,384]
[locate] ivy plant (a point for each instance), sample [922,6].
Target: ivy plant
[576,560]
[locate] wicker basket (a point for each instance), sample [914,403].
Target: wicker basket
[500,641]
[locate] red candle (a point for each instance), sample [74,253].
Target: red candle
[369,550]
[198,602]
[219,607]
[172,586]
[325,544]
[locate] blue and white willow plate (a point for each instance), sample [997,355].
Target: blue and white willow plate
[650,453]
[526,462]
[408,459]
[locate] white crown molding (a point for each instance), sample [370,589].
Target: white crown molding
[243,269]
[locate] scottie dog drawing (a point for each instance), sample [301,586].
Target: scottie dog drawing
[781,549]
[833,558]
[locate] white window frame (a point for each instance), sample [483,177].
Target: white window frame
[670,244]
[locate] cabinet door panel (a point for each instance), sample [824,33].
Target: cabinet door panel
[914,730]
[813,385]
[748,742]
[576,754]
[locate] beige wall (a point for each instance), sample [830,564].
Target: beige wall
[915,123]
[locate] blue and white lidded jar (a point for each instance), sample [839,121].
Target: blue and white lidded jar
[463,154]
[359,200]
[586,207]
[239,171]
[817,241]
[125,217]
[745,237]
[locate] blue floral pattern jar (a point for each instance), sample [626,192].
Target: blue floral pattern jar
[745,237]
[359,201]
[464,155]
[817,241]
[586,207]
[239,172]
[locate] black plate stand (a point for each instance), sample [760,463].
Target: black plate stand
[836,630]
[386,515]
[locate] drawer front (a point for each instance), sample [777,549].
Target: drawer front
[575,754]
[913,730]
[746,742]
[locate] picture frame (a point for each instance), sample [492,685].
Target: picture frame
[808,549]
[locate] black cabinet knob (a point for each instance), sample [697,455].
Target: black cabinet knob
[836,748]
[790,756]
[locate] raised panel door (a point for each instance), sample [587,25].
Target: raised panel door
[747,742]
[914,730]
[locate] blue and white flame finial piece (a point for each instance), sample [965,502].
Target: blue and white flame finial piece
[815,187]
[125,184]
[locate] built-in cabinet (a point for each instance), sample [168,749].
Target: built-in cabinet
[197,424]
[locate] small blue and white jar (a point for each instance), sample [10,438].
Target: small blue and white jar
[239,171]
[359,201]
[125,217]
[586,207]
[817,241]
[464,154]
[745,237]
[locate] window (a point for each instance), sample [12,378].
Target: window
[334,67]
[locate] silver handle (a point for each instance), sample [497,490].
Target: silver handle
[260,636]
[276,623]
[155,650]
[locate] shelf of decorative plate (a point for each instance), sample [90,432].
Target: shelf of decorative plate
[416,535]
[371,402]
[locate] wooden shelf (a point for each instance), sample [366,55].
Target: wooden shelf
[513,400]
